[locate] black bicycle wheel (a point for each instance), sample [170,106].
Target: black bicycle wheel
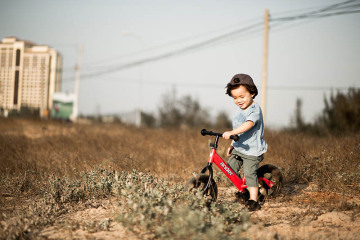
[200,182]
[273,174]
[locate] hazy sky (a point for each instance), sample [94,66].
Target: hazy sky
[307,57]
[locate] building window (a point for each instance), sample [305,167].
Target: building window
[35,61]
[26,62]
[16,87]
[3,59]
[18,57]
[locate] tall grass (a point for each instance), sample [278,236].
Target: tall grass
[330,161]
[60,164]
[58,148]
[34,149]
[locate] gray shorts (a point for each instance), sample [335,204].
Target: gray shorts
[251,164]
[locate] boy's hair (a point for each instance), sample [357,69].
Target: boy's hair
[242,80]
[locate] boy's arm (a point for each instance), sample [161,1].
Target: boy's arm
[229,150]
[246,126]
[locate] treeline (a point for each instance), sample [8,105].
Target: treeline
[341,114]
[184,112]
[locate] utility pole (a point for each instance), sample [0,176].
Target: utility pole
[77,85]
[265,60]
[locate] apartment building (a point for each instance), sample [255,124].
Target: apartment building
[29,76]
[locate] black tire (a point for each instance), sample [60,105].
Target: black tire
[199,182]
[273,174]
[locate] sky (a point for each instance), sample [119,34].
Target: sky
[308,58]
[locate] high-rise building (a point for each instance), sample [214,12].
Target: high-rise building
[29,76]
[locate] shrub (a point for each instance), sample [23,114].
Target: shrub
[166,211]
[342,112]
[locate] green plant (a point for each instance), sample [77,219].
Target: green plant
[166,211]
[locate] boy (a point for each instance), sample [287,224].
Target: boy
[248,124]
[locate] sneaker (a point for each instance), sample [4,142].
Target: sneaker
[252,205]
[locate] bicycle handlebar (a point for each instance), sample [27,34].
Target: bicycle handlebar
[205,132]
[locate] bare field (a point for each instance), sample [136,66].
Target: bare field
[73,181]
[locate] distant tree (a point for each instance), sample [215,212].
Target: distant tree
[169,112]
[222,121]
[185,111]
[148,119]
[297,121]
[192,113]
[342,112]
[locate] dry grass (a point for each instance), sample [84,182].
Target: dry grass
[331,162]
[41,156]
[51,147]
[34,149]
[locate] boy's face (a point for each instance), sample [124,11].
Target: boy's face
[242,97]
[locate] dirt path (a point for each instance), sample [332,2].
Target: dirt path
[276,220]
[91,223]
[291,219]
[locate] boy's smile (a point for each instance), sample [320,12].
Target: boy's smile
[242,97]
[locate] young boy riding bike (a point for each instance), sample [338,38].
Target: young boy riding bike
[248,124]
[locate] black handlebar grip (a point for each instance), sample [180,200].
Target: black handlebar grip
[235,137]
[205,132]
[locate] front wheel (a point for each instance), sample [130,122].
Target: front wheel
[199,183]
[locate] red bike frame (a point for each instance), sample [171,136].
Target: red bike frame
[215,158]
[237,181]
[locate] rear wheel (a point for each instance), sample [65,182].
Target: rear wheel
[199,183]
[273,174]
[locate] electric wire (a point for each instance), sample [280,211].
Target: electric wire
[187,39]
[203,44]
[231,36]
[156,84]
[317,13]
[172,43]
[180,51]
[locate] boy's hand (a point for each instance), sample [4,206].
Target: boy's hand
[227,135]
[229,151]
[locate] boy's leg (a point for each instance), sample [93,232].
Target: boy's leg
[253,193]
[251,164]
[235,162]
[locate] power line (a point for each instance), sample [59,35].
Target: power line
[323,12]
[183,40]
[309,88]
[334,14]
[180,41]
[315,16]
[319,13]
[256,31]
[349,6]
[135,81]
[181,51]
[164,45]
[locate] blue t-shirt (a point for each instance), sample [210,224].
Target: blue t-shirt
[251,142]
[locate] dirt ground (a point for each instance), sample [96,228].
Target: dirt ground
[289,219]
[81,225]
[294,219]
